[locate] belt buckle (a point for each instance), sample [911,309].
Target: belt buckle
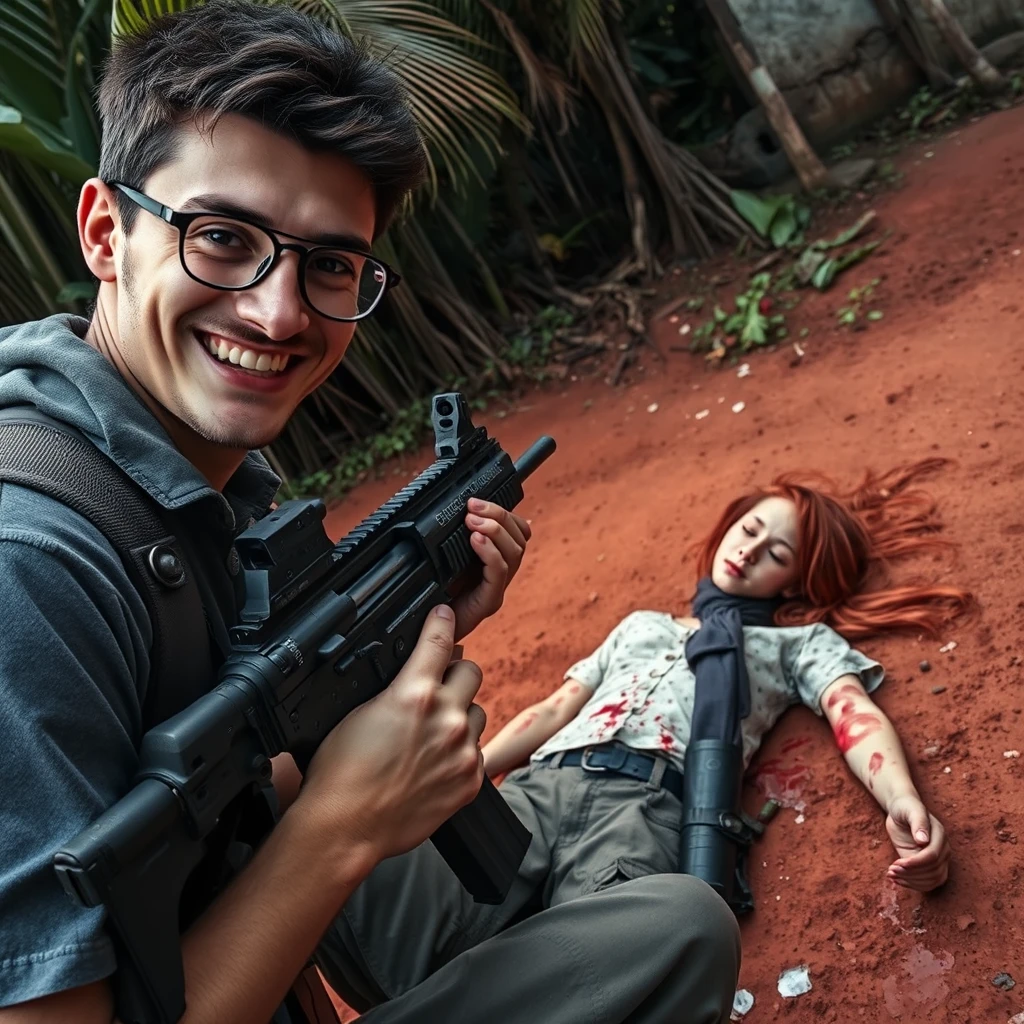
[617,755]
[585,762]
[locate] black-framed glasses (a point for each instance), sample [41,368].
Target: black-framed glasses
[231,253]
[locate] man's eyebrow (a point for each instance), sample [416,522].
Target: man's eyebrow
[779,539]
[216,203]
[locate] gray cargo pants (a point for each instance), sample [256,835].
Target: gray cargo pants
[620,936]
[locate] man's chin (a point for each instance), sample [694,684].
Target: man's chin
[238,436]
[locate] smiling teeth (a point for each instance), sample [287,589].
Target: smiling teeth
[246,358]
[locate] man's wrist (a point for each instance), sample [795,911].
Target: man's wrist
[345,853]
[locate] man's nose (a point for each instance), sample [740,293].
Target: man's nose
[275,306]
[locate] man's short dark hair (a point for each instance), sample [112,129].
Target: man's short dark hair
[271,63]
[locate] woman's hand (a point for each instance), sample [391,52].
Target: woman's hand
[921,845]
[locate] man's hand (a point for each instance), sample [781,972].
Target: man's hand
[499,538]
[405,761]
[920,842]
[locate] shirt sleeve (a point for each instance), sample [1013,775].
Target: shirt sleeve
[72,648]
[591,670]
[821,659]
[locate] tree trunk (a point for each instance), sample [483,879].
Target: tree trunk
[810,170]
[987,78]
[899,18]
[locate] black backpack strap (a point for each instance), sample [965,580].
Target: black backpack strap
[50,457]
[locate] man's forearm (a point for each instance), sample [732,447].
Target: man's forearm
[244,953]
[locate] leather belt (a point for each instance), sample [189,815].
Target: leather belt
[616,759]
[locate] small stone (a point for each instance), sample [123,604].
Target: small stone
[938,689]
[742,1004]
[674,319]
[1011,753]
[795,982]
[702,414]
[653,407]
[925,666]
[965,921]
[947,770]
[739,407]
[744,370]
[685,329]
[951,646]
[1004,981]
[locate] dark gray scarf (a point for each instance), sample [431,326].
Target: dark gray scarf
[715,655]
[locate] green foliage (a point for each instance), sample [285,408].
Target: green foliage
[819,269]
[530,347]
[752,323]
[849,314]
[679,65]
[782,219]
[404,433]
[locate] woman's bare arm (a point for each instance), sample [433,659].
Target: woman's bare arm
[533,726]
[872,749]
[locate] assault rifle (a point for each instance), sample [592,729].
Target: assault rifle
[324,627]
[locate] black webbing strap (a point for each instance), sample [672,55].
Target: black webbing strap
[47,456]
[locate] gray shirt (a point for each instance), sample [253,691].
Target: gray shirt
[644,688]
[74,648]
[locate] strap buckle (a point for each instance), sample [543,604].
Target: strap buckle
[613,757]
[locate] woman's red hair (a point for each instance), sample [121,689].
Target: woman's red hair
[847,544]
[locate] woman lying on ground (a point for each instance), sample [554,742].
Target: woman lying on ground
[604,922]
[803,568]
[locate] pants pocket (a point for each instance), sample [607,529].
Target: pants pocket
[623,869]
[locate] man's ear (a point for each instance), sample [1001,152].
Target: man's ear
[99,229]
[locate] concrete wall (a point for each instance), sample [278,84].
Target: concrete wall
[839,66]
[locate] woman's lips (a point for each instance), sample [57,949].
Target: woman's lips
[733,569]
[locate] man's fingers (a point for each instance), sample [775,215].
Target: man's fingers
[462,681]
[477,722]
[490,591]
[433,651]
[502,538]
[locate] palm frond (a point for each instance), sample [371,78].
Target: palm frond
[453,94]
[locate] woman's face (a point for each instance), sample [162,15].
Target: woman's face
[758,554]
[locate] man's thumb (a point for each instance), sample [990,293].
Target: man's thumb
[434,650]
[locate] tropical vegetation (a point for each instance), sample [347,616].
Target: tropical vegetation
[560,140]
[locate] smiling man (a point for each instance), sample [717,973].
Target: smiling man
[249,159]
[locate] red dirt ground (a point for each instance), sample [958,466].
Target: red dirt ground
[628,489]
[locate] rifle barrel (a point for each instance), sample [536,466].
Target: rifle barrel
[537,453]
